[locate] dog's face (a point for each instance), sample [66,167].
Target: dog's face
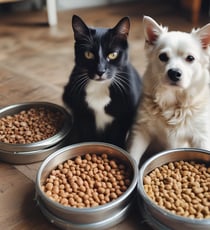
[177,59]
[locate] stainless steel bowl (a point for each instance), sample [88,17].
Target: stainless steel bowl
[36,151]
[153,214]
[100,217]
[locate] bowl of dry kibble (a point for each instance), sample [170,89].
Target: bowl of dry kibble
[30,131]
[87,186]
[174,189]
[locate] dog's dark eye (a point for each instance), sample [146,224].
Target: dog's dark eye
[190,58]
[163,57]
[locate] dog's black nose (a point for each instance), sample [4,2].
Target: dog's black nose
[174,74]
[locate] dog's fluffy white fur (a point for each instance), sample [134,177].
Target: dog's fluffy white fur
[174,111]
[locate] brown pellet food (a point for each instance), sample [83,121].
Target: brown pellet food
[182,187]
[29,126]
[87,181]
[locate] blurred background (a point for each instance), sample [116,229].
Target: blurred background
[195,6]
[70,4]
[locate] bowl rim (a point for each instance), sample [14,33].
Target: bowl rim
[63,131]
[104,224]
[150,203]
[130,189]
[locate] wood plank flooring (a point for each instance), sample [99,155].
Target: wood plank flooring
[35,61]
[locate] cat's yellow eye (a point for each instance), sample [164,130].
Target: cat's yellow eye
[112,55]
[89,55]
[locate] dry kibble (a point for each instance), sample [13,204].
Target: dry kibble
[147,180]
[88,181]
[29,126]
[49,186]
[182,187]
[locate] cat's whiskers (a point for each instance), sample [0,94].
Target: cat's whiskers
[119,83]
[123,80]
[80,83]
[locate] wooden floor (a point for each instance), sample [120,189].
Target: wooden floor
[35,62]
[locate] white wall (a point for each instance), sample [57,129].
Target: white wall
[71,4]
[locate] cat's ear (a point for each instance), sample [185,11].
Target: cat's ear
[204,35]
[152,30]
[123,27]
[79,27]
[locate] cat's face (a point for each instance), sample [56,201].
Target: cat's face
[100,53]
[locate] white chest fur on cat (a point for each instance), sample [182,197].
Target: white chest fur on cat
[97,97]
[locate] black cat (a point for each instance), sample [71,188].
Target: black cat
[103,88]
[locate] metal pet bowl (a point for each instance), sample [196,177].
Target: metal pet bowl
[19,153]
[98,217]
[160,218]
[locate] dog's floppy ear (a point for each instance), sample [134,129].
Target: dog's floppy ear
[152,30]
[204,35]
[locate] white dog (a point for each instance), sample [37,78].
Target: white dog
[174,111]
